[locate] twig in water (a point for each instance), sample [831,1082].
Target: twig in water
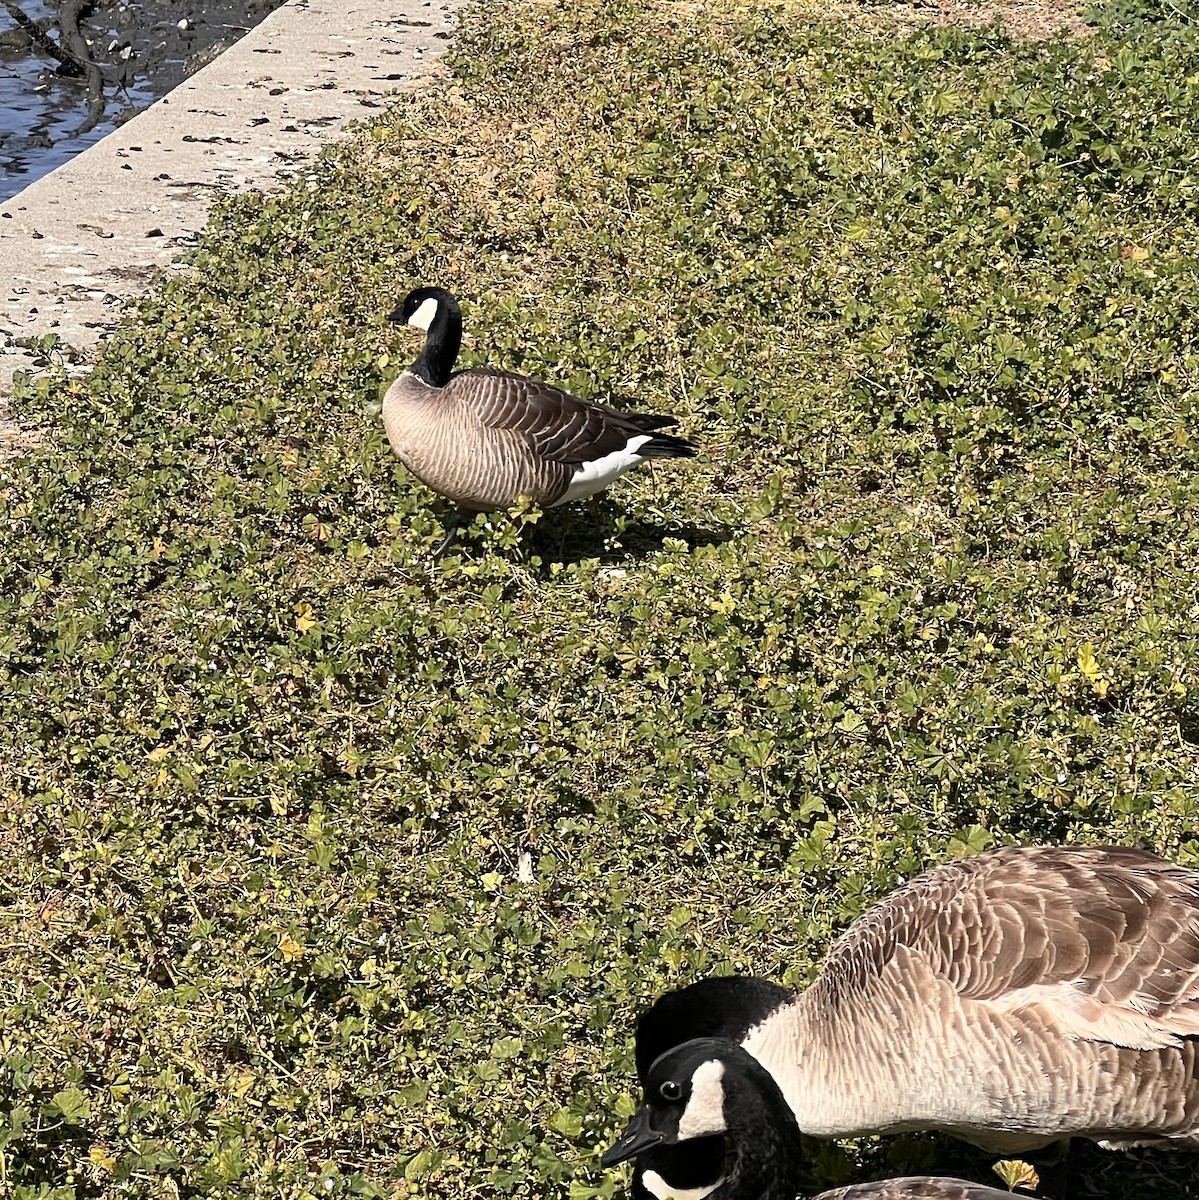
[73,41]
[44,41]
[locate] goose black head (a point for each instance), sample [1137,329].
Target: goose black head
[435,311]
[423,306]
[711,1090]
[685,1096]
[717,1007]
[721,1006]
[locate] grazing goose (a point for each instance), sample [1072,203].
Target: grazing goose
[485,438]
[1012,999]
[711,1088]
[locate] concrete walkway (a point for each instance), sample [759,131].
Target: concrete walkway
[78,242]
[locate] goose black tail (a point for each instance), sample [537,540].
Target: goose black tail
[665,445]
[648,422]
[661,445]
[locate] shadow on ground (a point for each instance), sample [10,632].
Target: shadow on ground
[1081,1170]
[605,532]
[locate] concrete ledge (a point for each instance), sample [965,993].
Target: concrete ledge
[77,243]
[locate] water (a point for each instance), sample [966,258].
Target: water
[142,51]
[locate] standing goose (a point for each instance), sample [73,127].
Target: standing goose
[1012,999]
[484,438]
[711,1088]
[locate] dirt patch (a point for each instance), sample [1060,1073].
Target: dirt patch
[1032,19]
[16,438]
[1035,19]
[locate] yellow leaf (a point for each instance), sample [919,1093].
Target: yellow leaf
[304,618]
[1017,1174]
[1087,663]
[100,1157]
[242,1082]
[290,948]
[725,604]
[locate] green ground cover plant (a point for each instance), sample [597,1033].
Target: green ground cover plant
[330,872]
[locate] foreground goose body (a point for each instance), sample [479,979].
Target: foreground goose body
[1012,999]
[710,1088]
[486,438]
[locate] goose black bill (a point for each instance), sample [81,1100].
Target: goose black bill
[637,1138]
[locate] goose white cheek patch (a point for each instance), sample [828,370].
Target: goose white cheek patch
[657,1186]
[704,1113]
[423,317]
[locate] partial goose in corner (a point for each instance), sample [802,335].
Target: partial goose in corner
[1013,999]
[710,1088]
[917,1187]
[484,438]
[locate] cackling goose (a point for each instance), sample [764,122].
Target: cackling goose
[917,1187]
[485,438]
[717,1007]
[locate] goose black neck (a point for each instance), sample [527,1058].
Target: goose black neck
[436,361]
[759,1172]
[721,1006]
[764,1161]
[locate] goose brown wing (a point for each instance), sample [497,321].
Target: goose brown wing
[556,425]
[1104,941]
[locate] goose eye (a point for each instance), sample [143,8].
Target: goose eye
[670,1091]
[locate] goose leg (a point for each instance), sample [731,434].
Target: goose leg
[1053,1166]
[454,528]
